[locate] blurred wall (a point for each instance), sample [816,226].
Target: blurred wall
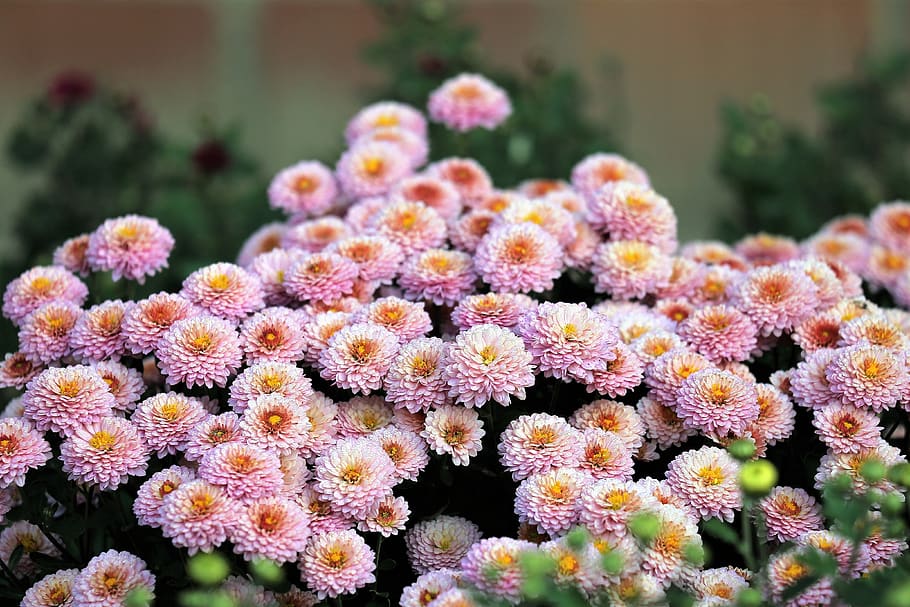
[289,71]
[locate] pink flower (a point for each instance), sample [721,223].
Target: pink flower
[355,474]
[469,101]
[414,147]
[109,578]
[124,383]
[605,456]
[596,170]
[152,493]
[611,417]
[264,240]
[53,590]
[875,329]
[488,362]
[407,320]
[538,442]
[440,542]
[269,378]
[519,258]
[336,563]
[717,403]
[467,231]
[321,277]
[149,319]
[707,480]
[868,376]
[632,211]
[104,453]
[492,565]
[22,448]
[851,464]
[315,235]
[889,225]
[436,193]
[411,225]
[371,168]
[98,333]
[72,255]
[776,417]
[165,421]
[623,373]
[406,449]
[199,516]
[764,249]
[214,430]
[664,557]
[550,500]
[441,276]
[785,569]
[847,429]
[39,286]
[61,399]
[225,290]
[363,415]
[720,332]
[17,370]
[31,540]
[388,518]
[416,381]
[789,513]
[273,334]
[273,421]
[200,351]
[818,331]
[776,298]
[303,189]
[273,528]
[377,258]
[245,471]
[467,175]
[629,269]
[502,309]
[321,413]
[385,114]
[358,357]
[131,247]
[455,431]
[324,515]
[45,335]
[271,268]
[809,382]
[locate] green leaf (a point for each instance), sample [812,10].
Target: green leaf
[719,529]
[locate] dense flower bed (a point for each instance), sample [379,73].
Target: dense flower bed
[416,353]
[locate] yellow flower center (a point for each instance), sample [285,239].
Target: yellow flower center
[567,564]
[711,475]
[112,582]
[386,120]
[422,367]
[871,368]
[169,411]
[272,382]
[453,435]
[201,343]
[336,558]
[617,498]
[68,388]
[304,185]
[219,282]
[166,488]
[42,284]
[269,521]
[274,420]
[58,594]
[788,505]
[201,504]
[487,355]
[102,441]
[352,476]
[373,166]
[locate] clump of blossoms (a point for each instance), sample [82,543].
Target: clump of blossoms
[487,383]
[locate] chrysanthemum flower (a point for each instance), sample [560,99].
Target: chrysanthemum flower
[608,504]
[149,319]
[653,344]
[868,376]
[269,378]
[324,515]
[384,114]
[321,277]
[776,298]
[789,513]
[850,562]
[272,334]
[492,565]
[38,286]
[388,518]
[414,147]
[554,219]
[406,420]
[613,418]
[717,403]
[632,211]
[406,449]
[98,333]
[273,528]
[200,351]
[467,175]
[165,421]
[295,597]
[663,424]
[818,331]
[455,431]
[53,590]
[336,563]
[151,494]
[664,556]
[376,258]
[850,250]
[303,189]
[109,578]
[597,170]
[359,356]
[411,225]
[605,456]
[45,334]
[629,269]
[875,329]
[685,276]
[31,540]
[416,380]
[63,398]
[21,449]
[468,101]
[809,382]
[245,471]
[721,333]
[488,362]
[315,235]
[765,249]
[72,255]
[467,231]
[210,432]
[372,168]
[519,258]
[785,569]
[199,516]
[271,269]
[776,417]
[131,247]
[427,587]
[441,276]
[294,472]
[847,429]
[273,421]
[535,443]
[851,464]
[355,474]
[707,479]
[715,285]
[883,550]
[406,319]
[124,383]
[885,266]
[502,309]
[104,453]
[717,587]
[225,290]
[436,193]
[362,415]
[264,240]
[889,225]
[550,500]
[17,370]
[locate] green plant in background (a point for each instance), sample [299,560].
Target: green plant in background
[425,42]
[787,181]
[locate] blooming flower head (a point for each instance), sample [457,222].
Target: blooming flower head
[385,114]
[130,247]
[98,333]
[889,225]
[264,240]
[315,235]
[277,422]
[596,170]
[819,331]
[427,587]
[764,249]
[492,566]
[868,376]
[269,378]
[109,578]
[720,332]
[377,258]
[653,344]
[875,329]
[550,500]
[362,415]
[664,556]
[538,442]
[407,320]
[519,258]
[31,540]
[304,189]
[608,504]
[225,290]
[46,333]
[487,362]
[502,309]
[411,225]
[684,279]
[557,221]
[785,569]
[17,370]
[663,424]
[245,471]
[372,168]
[53,590]
[630,269]
[717,587]
[414,147]
[440,542]
[104,453]
[885,266]
[150,498]
[605,456]
[851,464]
[72,255]
[321,277]
[149,319]
[406,449]
[199,516]
[416,381]
[63,398]
[388,518]
[200,351]
[789,513]
[717,402]
[434,192]
[336,563]
[358,357]
[38,286]
[165,421]
[455,431]
[809,382]
[273,334]
[467,175]
[273,528]
[776,417]
[271,268]
[706,479]
[850,250]
[441,276]
[847,429]
[468,101]
[21,449]
[467,231]
[850,562]
[632,211]
[324,515]
[355,474]
[613,418]
[124,383]
[776,298]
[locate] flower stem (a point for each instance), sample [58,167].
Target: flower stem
[745,547]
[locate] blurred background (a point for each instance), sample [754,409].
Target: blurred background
[748,114]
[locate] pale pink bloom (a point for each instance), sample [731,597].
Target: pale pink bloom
[336,563]
[225,290]
[875,329]
[554,219]
[847,429]
[384,114]
[273,334]
[765,249]
[716,587]
[789,513]
[492,565]
[407,320]
[354,475]
[269,378]
[261,242]
[38,286]
[851,464]
[200,351]
[467,231]
[321,277]
[889,225]
[608,504]
[277,422]
[273,528]
[315,235]
[715,284]
[623,373]
[868,376]
[406,449]
[776,298]
[434,192]
[388,518]
[358,357]
[851,250]
[63,398]
[165,421]
[53,590]
[707,479]
[362,415]
[131,247]
[613,418]
[487,362]
[109,578]
[818,331]
[271,268]
[104,453]
[809,382]
[72,255]
[372,168]
[28,537]
[22,448]
[440,276]
[467,175]
[550,499]
[199,516]
[321,413]
[416,381]
[785,569]
[502,309]
[536,443]
[124,383]
[377,258]
[455,431]
[664,557]
[654,344]
[318,330]
[411,225]
[519,258]
[98,333]
[468,101]
[428,587]
[46,334]
[630,269]
[885,266]
[597,170]
[684,278]
[304,189]
[717,403]
[776,416]
[149,319]
[850,562]
[150,497]
[17,370]
[632,211]
[721,333]
[414,147]
[324,515]
[663,424]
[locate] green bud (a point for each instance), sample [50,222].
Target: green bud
[873,471]
[749,597]
[891,503]
[899,596]
[206,598]
[207,568]
[840,483]
[644,526]
[536,563]
[613,562]
[266,571]
[742,449]
[757,478]
[900,474]
[577,538]
[694,554]
[534,587]
[138,597]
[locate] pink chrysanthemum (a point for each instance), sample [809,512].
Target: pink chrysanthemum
[663,424]
[45,335]
[632,211]
[63,398]
[875,329]
[273,528]
[764,249]
[868,376]
[883,550]
[847,429]
[467,231]
[715,284]
[721,333]
[411,225]
[225,290]
[885,266]
[776,416]
[441,276]
[200,351]
[501,309]
[414,147]
[416,381]
[851,464]
[488,362]
[684,278]
[104,453]
[630,269]
[273,421]
[440,542]
[388,518]
[294,472]
[131,247]
[789,513]
[818,331]
[554,219]
[455,431]
[17,370]
[385,114]
[315,235]
[717,587]
[149,319]
[550,500]
[98,334]
[428,587]
[72,255]
[324,515]
[336,563]
[468,101]
[362,415]
[199,516]
[664,556]
[535,443]
[406,420]
[272,334]
[654,344]
[809,382]
[377,258]
[467,175]
[605,456]
[613,418]
[436,193]
[580,252]
[358,357]
[850,562]
[264,240]
[354,475]
[623,373]
[372,168]
[608,504]
[717,403]
[271,268]
[406,449]
[39,286]
[829,288]
[597,170]
[109,578]
[850,250]
[31,540]
[321,277]
[492,565]
[151,494]
[21,449]
[269,378]
[889,225]
[124,383]
[303,189]
[785,569]
[707,479]
[165,421]
[245,471]
[53,590]
[407,320]
[776,298]
[519,258]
